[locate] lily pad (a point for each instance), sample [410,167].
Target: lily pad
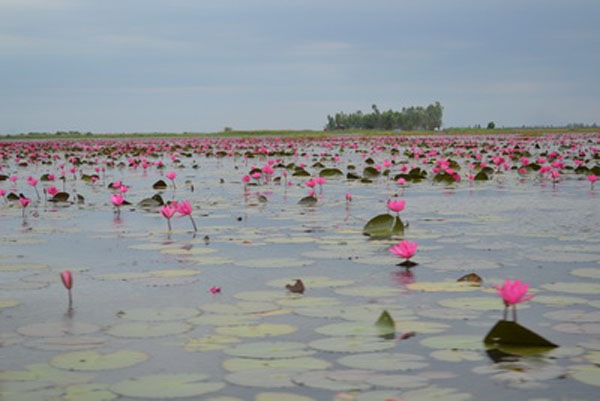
[66,343]
[57,329]
[209,343]
[263,378]
[242,307]
[92,360]
[299,364]
[166,386]
[387,361]
[588,374]
[587,272]
[312,282]
[352,344]
[158,314]
[270,350]
[334,380]
[573,288]
[459,342]
[89,392]
[148,330]
[278,396]
[383,225]
[8,303]
[259,330]
[272,263]
[511,333]
[443,286]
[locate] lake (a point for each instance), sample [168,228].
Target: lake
[163,313]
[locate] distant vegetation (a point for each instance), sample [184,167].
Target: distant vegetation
[409,119]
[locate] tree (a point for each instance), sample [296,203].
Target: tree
[491,125]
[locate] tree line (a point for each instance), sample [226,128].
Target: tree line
[409,119]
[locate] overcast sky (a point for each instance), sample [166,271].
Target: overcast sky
[200,66]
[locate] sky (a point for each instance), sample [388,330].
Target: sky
[200,66]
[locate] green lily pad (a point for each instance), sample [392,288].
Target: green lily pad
[273,263]
[436,393]
[456,355]
[8,303]
[369,291]
[312,282]
[22,267]
[588,374]
[334,380]
[148,330]
[352,344]
[66,343]
[399,381]
[92,360]
[387,361]
[573,315]
[459,342]
[44,373]
[263,378]
[557,300]
[575,328]
[277,396]
[89,392]
[242,307]
[573,288]
[57,329]
[259,330]
[166,386]
[211,319]
[443,286]
[270,350]
[296,301]
[159,314]
[383,225]
[511,333]
[355,329]
[587,272]
[209,343]
[475,303]
[299,364]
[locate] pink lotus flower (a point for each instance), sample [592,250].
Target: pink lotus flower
[67,280]
[24,202]
[396,206]
[117,200]
[168,211]
[513,293]
[171,176]
[184,208]
[214,290]
[52,190]
[592,179]
[404,249]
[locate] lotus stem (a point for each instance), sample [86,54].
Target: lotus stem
[193,223]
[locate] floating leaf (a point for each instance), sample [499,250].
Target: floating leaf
[588,272]
[89,392]
[263,378]
[57,329]
[159,314]
[259,330]
[223,320]
[400,381]
[209,343]
[299,364]
[60,197]
[588,374]
[352,344]
[331,172]
[507,332]
[159,185]
[388,361]
[385,324]
[336,380]
[148,330]
[273,396]
[313,282]
[8,303]
[456,355]
[443,286]
[573,288]
[166,386]
[67,343]
[462,342]
[270,350]
[92,360]
[383,225]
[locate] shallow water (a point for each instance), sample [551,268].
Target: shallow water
[512,226]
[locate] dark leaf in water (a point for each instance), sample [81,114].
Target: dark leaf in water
[160,184]
[297,287]
[60,197]
[512,333]
[471,278]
